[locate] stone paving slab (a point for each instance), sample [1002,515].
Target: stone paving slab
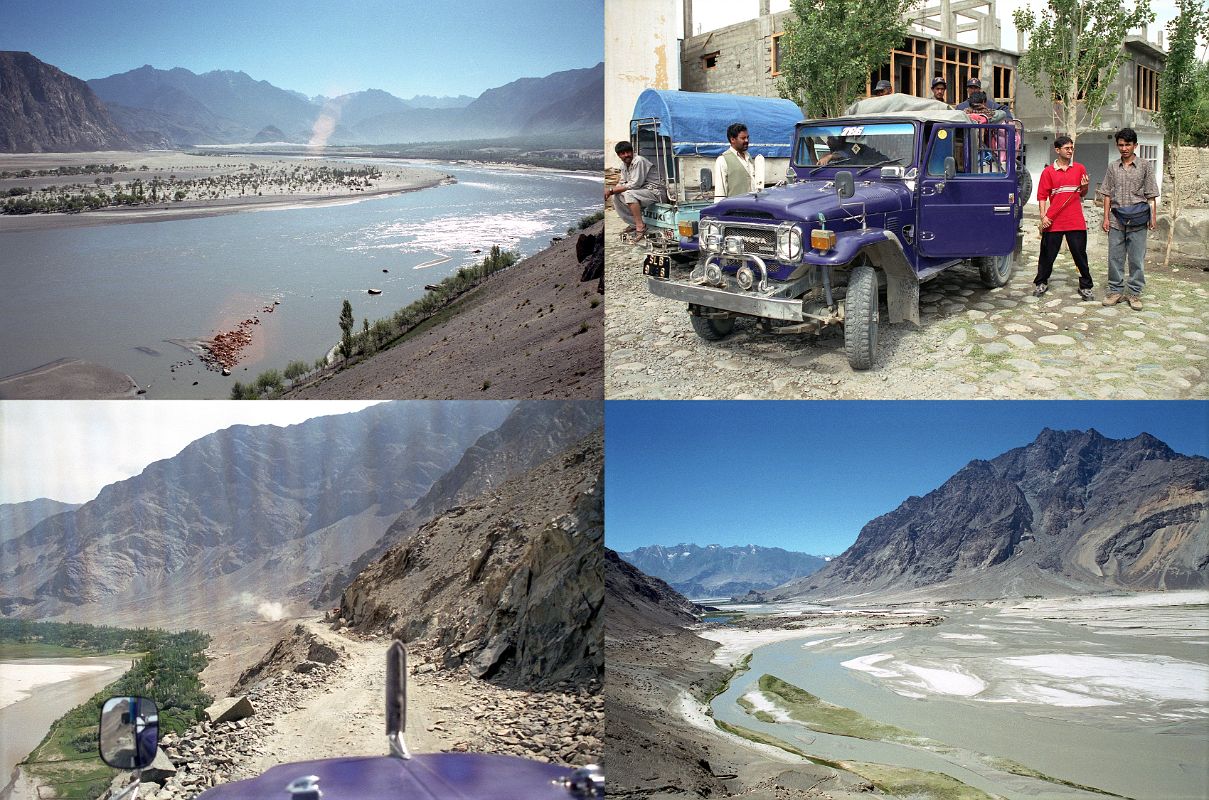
[972,342]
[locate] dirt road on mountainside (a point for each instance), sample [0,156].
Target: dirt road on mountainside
[347,715]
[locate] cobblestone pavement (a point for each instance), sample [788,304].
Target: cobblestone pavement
[972,342]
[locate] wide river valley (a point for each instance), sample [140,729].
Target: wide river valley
[136,297]
[1110,694]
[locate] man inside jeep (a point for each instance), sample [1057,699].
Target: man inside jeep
[853,153]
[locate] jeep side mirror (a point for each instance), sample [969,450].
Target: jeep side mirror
[707,179]
[845,186]
[130,732]
[950,167]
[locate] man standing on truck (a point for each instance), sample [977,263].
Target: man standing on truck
[940,90]
[1060,194]
[735,172]
[639,185]
[974,85]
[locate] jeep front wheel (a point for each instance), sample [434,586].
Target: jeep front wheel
[995,271]
[860,317]
[712,329]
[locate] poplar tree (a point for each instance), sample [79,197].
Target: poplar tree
[346,329]
[1180,94]
[1074,52]
[830,47]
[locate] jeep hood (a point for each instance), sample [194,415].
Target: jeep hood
[803,202]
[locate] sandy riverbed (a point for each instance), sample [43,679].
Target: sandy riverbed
[226,181]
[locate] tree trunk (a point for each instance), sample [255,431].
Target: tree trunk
[1173,158]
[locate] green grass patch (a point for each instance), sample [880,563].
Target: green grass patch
[826,717]
[915,783]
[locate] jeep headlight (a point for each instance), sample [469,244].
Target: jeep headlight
[711,236]
[789,244]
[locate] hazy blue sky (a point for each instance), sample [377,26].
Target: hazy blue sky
[405,47]
[68,450]
[808,475]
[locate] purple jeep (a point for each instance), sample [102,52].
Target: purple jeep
[882,197]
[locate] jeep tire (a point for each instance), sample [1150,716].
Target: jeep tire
[860,317]
[712,330]
[995,271]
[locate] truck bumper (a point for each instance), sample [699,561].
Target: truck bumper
[752,305]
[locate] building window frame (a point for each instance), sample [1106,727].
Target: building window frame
[1004,86]
[957,64]
[775,53]
[1146,84]
[709,61]
[907,69]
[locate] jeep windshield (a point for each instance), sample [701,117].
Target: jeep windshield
[855,144]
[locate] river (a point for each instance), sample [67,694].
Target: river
[1117,699]
[37,691]
[127,295]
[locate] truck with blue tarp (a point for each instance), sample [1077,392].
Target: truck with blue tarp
[682,133]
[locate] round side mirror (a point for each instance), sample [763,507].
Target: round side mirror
[130,732]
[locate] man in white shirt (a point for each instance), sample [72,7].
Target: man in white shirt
[736,173]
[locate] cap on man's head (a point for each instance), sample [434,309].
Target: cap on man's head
[939,81]
[882,86]
[973,83]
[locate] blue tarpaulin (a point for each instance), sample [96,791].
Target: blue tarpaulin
[696,122]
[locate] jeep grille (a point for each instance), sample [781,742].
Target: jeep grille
[761,241]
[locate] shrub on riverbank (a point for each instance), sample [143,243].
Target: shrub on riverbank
[382,333]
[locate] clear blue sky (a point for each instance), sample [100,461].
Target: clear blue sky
[405,47]
[808,475]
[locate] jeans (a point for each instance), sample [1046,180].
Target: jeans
[1124,245]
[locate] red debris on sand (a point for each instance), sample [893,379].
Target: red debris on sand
[223,351]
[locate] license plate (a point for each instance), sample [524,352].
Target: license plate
[657,266]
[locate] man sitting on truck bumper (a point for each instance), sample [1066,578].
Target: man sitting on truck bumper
[640,185]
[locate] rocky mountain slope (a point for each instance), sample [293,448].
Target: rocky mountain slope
[508,583]
[533,331]
[716,571]
[531,434]
[45,110]
[263,511]
[1071,512]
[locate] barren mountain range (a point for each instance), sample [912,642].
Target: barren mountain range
[254,515]
[1070,513]
[42,109]
[716,571]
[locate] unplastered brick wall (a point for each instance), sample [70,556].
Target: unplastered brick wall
[1193,167]
[733,60]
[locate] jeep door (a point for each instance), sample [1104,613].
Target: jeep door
[968,213]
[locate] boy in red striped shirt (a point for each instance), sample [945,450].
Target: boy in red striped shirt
[1060,194]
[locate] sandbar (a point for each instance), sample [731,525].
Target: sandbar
[174,169]
[18,680]
[68,379]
